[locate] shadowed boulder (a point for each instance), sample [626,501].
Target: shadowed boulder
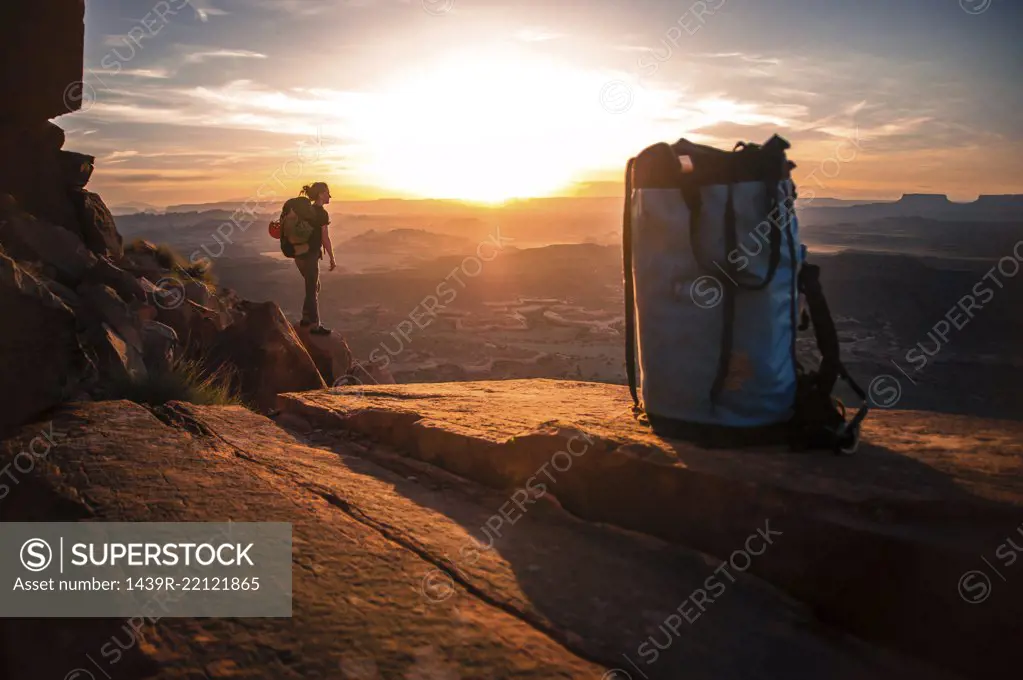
[43,361]
[97,225]
[265,355]
[26,238]
[104,306]
[159,345]
[119,362]
[330,353]
[106,273]
[196,326]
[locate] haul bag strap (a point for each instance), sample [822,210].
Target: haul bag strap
[694,202]
[728,293]
[630,292]
[831,368]
[823,326]
[852,428]
[728,311]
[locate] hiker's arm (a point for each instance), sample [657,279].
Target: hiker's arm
[327,245]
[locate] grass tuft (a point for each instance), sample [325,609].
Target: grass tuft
[172,260]
[186,380]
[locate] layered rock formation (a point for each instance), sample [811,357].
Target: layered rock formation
[81,313]
[83,316]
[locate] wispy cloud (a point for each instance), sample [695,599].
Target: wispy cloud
[537,34]
[302,8]
[204,11]
[160,177]
[741,56]
[200,57]
[118,157]
[147,73]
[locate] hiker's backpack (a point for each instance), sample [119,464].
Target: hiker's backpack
[295,226]
[713,273]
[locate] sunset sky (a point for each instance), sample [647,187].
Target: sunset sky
[486,100]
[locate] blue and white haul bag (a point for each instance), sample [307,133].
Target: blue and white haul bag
[714,269]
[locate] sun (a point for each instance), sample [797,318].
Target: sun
[482,125]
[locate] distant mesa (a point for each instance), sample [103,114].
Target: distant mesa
[1006,201]
[135,209]
[924,200]
[1002,208]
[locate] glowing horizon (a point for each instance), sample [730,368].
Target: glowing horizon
[482,103]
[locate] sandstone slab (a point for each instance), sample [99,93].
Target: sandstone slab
[384,587]
[357,610]
[876,543]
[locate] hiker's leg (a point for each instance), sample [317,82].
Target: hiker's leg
[310,269]
[313,294]
[301,270]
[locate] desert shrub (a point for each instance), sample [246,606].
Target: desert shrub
[186,380]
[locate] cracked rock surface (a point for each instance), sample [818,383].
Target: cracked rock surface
[400,570]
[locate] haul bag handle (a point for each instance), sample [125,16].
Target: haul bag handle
[745,162]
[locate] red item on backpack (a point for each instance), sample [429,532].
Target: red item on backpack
[275,229]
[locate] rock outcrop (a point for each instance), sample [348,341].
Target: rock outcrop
[132,313]
[81,313]
[137,311]
[393,576]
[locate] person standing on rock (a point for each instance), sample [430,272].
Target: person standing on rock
[310,208]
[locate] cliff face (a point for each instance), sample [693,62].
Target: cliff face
[41,47]
[82,314]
